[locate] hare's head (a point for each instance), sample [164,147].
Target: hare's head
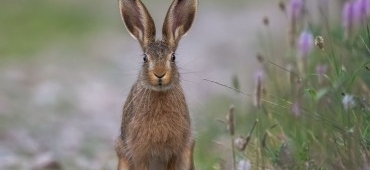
[159,70]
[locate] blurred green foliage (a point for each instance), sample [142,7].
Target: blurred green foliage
[27,26]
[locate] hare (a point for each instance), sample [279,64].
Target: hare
[156,127]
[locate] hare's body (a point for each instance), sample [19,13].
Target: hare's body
[156,128]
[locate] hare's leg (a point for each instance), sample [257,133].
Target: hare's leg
[173,164]
[184,162]
[188,157]
[123,163]
[141,166]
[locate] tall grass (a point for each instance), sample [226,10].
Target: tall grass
[311,106]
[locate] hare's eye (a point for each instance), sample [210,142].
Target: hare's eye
[145,58]
[173,57]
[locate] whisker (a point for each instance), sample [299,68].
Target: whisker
[191,61]
[140,101]
[135,94]
[148,100]
[190,72]
[239,91]
[177,91]
[187,80]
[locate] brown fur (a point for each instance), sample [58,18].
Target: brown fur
[156,127]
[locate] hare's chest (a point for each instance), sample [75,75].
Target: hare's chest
[160,130]
[158,125]
[161,126]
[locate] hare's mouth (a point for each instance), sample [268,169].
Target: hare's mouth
[161,83]
[159,80]
[160,87]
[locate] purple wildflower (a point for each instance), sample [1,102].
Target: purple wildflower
[305,43]
[361,11]
[295,14]
[321,70]
[366,8]
[295,9]
[358,16]
[348,15]
[259,77]
[354,14]
[296,109]
[366,167]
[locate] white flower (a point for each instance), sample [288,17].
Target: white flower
[348,102]
[244,165]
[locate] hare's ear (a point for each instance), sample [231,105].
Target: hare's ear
[178,21]
[138,21]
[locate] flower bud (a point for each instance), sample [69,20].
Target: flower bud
[240,143]
[319,42]
[305,43]
[259,77]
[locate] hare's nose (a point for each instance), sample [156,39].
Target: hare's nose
[160,75]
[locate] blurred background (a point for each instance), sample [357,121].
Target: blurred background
[67,66]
